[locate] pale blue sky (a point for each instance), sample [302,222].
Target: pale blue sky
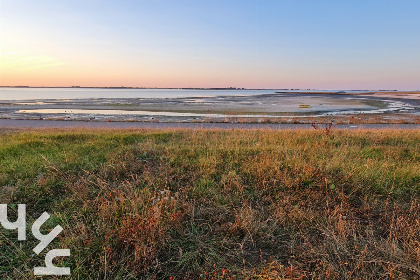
[321,44]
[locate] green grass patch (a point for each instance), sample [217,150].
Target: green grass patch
[227,204]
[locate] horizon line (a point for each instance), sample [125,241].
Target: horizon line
[204,88]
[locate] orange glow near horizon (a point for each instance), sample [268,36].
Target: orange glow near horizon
[36,68]
[53,65]
[24,68]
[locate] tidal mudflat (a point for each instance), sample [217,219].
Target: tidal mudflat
[279,107]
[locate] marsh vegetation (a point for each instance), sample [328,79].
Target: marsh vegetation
[217,204]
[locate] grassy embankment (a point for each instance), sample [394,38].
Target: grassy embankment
[209,204]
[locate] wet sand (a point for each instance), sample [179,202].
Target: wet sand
[293,106]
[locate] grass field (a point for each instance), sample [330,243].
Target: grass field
[216,204]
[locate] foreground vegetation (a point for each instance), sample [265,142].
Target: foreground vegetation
[214,204]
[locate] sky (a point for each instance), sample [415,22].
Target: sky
[281,44]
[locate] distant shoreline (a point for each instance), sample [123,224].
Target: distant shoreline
[122,87]
[226,88]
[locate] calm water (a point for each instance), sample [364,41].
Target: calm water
[82,93]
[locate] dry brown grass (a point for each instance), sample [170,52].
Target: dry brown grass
[213,204]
